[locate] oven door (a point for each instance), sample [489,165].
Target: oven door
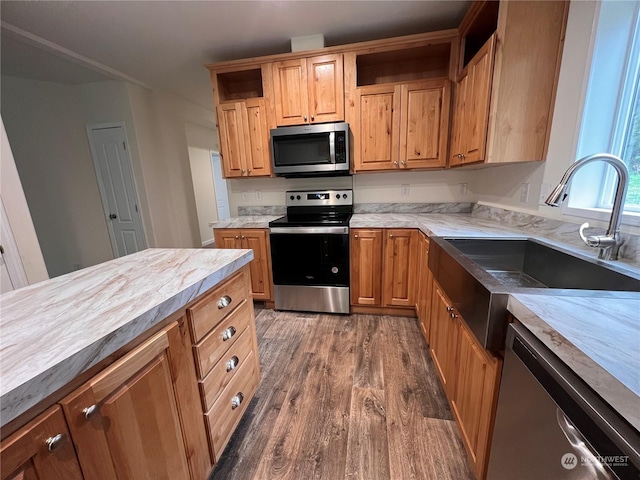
[310,268]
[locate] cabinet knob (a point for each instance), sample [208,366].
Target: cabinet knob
[242,171]
[449,309]
[391,235]
[53,443]
[305,118]
[249,172]
[232,363]
[228,333]
[243,237]
[224,301]
[355,236]
[237,400]
[395,163]
[403,163]
[90,412]
[453,315]
[312,118]
[237,237]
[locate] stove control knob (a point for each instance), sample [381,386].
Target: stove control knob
[298,197]
[338,196]
[291,197]
[344,195]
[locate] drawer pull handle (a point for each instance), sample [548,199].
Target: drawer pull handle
[90,412]
[53,443]
[237,400]
[224,302]
[228,333]
[232,363]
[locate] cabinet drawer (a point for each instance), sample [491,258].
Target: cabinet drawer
[207,313]
[226,368]
[223,417]
[211,348]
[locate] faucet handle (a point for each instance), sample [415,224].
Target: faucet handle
[582,235]
[594,240]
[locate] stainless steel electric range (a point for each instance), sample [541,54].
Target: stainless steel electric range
[310,252]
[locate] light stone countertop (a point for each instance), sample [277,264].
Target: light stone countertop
[598,338]
[249,221]
[52,331]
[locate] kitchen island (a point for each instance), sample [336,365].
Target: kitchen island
[144,332]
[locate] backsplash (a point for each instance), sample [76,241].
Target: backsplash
[452,207]
[557,229]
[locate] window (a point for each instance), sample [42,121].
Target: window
[611,116]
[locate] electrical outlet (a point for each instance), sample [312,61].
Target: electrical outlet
[545,190]
[524,193]
[404,190]
[258,195]
[463,189]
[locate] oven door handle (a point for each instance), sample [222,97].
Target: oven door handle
[310,230]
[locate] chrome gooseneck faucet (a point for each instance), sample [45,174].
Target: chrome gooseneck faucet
[610,242]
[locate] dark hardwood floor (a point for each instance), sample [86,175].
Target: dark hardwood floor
[344,397]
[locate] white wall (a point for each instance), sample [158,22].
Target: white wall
[500,186]
[46,129]
[201,142]
[424,187]
[17,209]
[160,121]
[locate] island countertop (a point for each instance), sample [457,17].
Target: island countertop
[53,331]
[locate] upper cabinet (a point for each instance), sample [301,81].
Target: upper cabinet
[398,98]
[505,90]
[308,90]
[243,122]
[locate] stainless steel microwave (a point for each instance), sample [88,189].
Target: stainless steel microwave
[310,150]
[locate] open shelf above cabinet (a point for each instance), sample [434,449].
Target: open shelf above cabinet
[476,34]
[240,85]
[418,63]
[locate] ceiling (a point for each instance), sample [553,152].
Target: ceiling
[164,44]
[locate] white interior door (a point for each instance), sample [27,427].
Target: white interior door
[117,188]
[12,274]
[220,184]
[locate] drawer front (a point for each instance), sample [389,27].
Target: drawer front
[223,417]
[226,368]
[212,347]
[207,313]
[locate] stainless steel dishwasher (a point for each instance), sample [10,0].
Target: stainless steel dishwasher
[550,425]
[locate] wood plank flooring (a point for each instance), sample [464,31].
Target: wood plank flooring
[353,397]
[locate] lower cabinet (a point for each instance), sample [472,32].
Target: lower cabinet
[470,376]
[42,449]
[256,239]
[384,267]
[126,421]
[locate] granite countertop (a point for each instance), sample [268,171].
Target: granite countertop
[249,221]
[598,338]
[52,331]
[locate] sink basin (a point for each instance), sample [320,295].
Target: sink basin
[479,274]
[527,263]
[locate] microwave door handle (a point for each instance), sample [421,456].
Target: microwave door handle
[332,146]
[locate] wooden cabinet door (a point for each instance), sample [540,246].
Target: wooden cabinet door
[290,92]
[423,295]
[377,128]
[366,265]
[126,421]
[326,88]
[227,238]
[475,397]
[400,266]
[42,449]
[232,139]
[424,125]
[460,120]
[260,267]
[256,131]
[444,339]
[480,74]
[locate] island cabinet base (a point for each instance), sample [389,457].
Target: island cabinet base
[165,409]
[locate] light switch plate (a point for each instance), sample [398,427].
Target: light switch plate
[545,190]
[404,190]
[464,188]
[258,195]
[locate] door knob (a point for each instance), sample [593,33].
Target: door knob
[113,216]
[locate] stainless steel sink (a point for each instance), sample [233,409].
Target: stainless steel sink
[478,274]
